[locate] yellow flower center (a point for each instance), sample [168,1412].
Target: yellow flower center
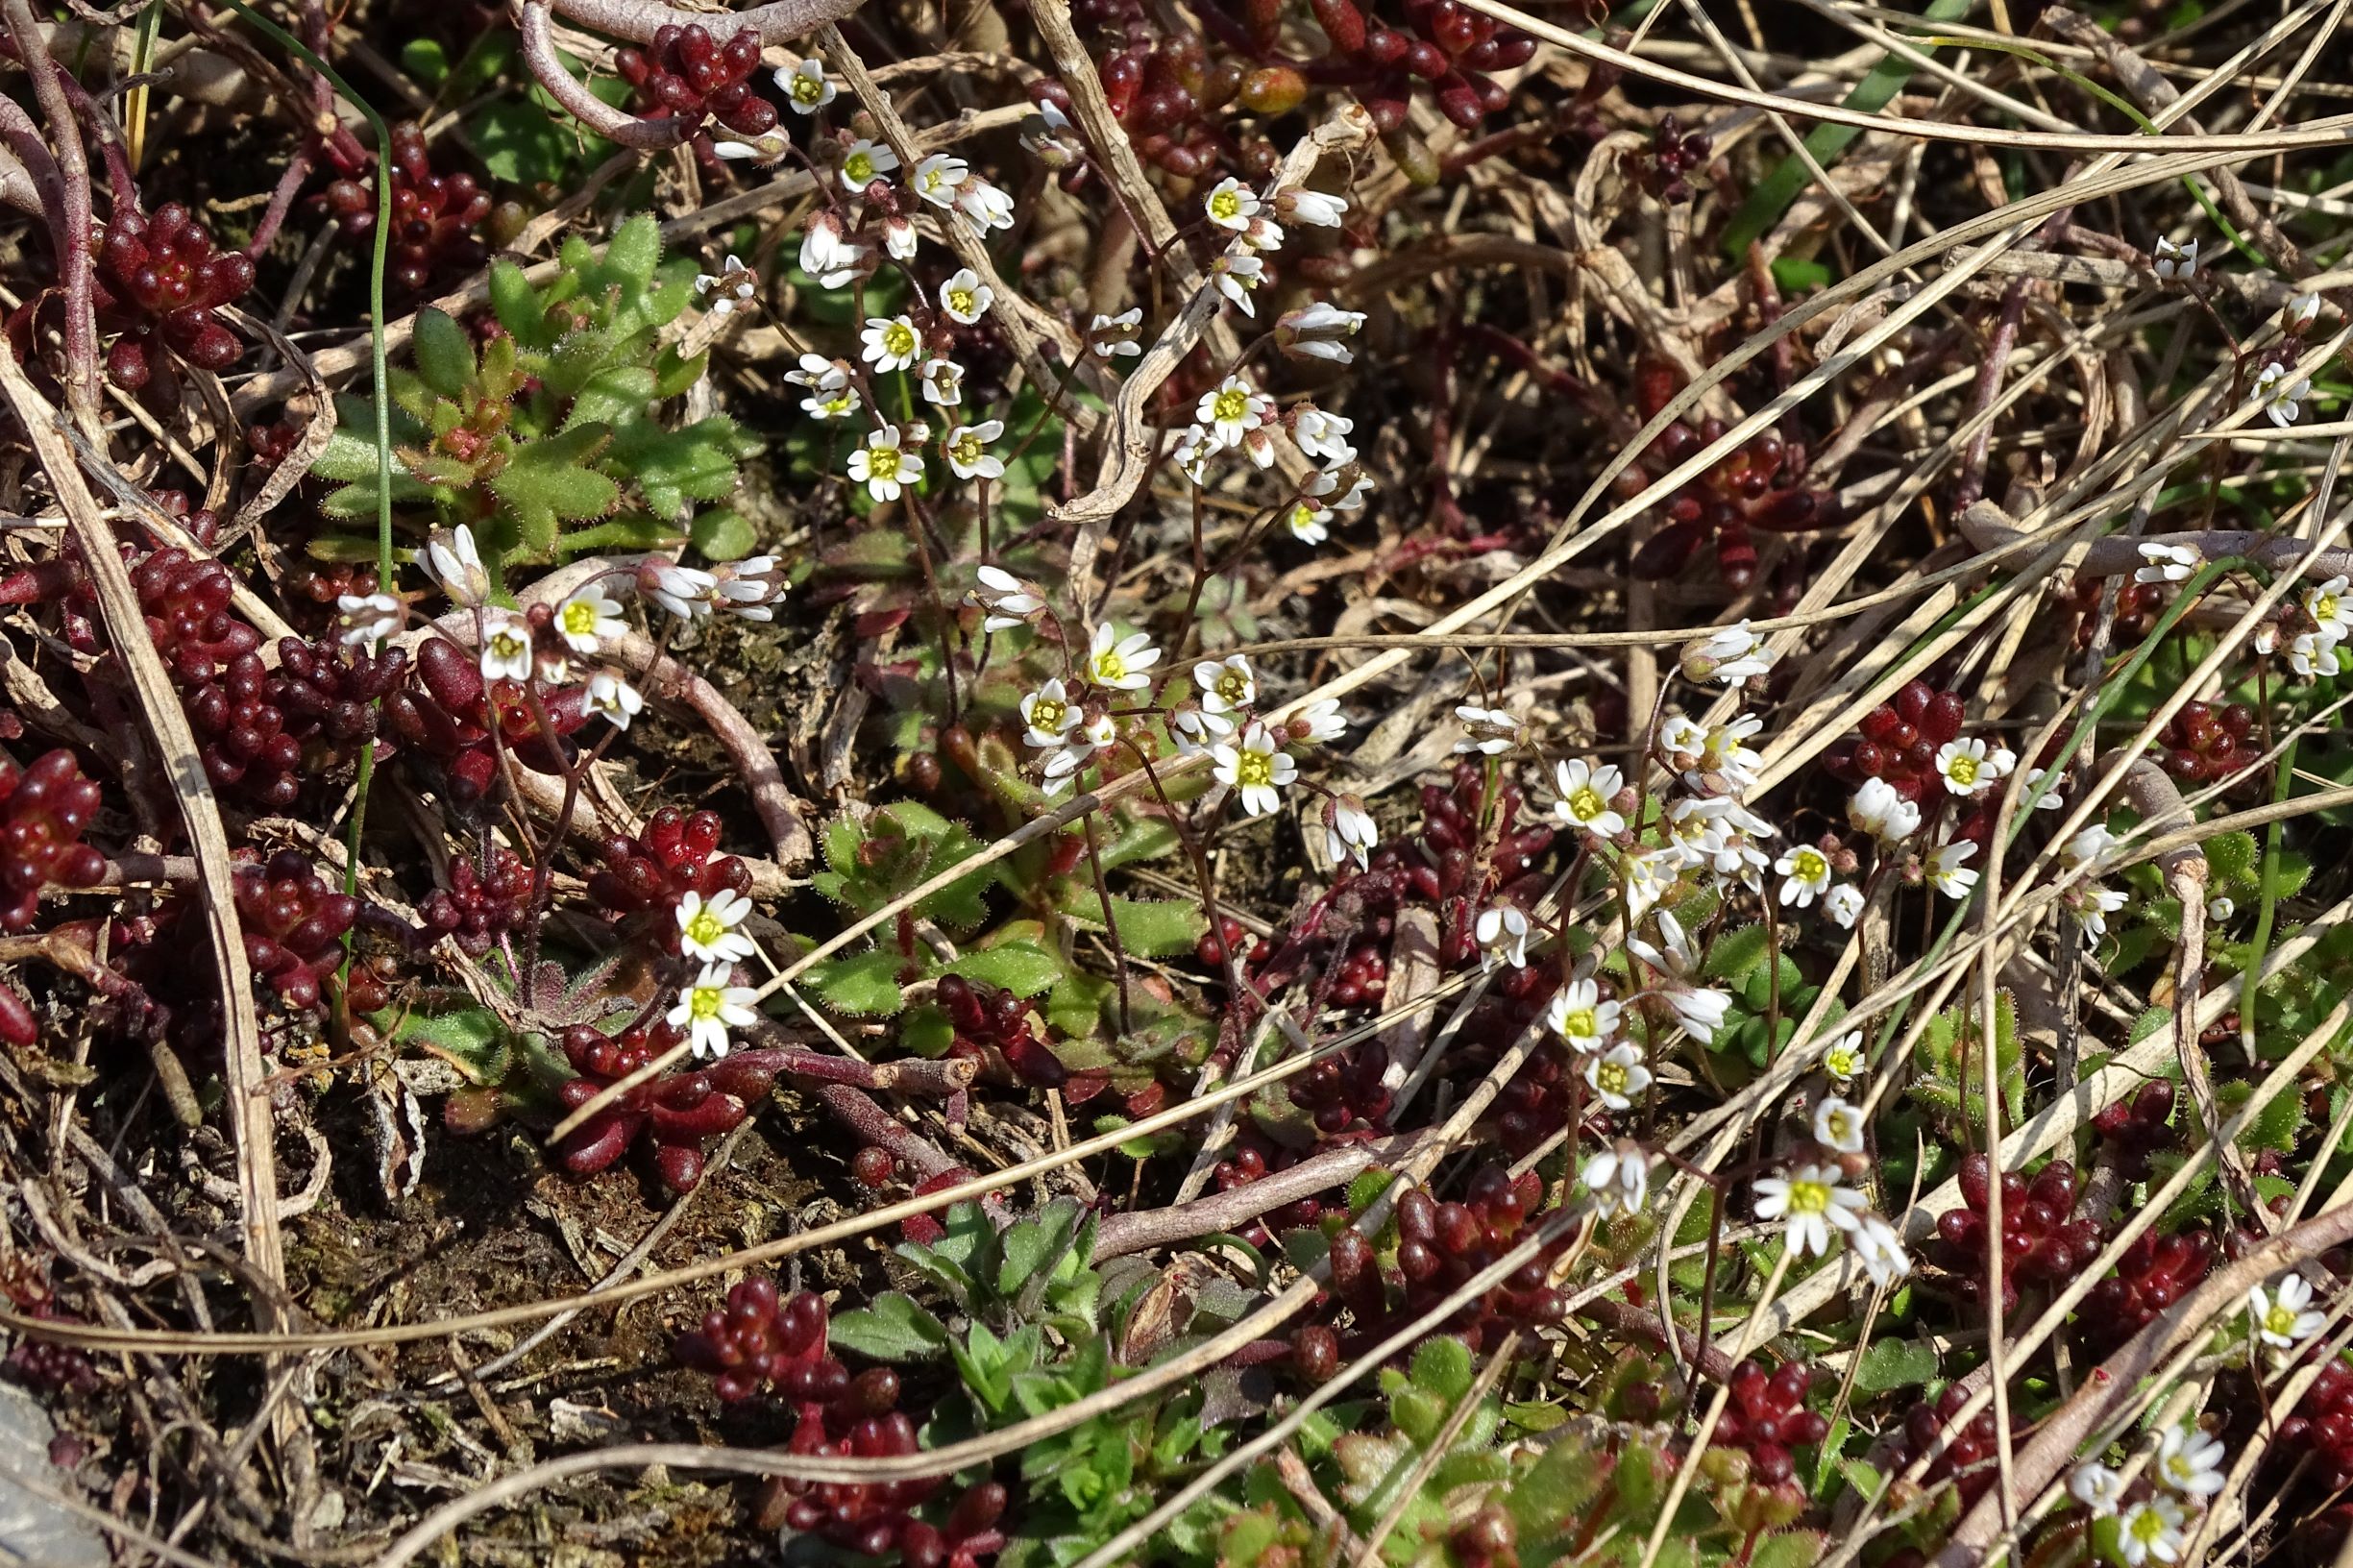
[2324,607]
[960,302]
[704,1002]
[2148,1526]
[1110,666]
[1610,1077]
[506,644]
[808,90]
[1842,1127]
[860,167]
[1587,805]
[1252,769]
[580,620]
[898,340]
[1842,1064]
[1963,771]
[1226,204]
[1582,1024]
[705,928]
[1808,865]
[1233,687]
[2280,1320]
[1232,405]
[966,449]
[883,462]
[1303,518]
[1048,714]
[1809,1198]
[839,404]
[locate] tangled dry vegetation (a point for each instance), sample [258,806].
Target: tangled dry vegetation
[1129,781]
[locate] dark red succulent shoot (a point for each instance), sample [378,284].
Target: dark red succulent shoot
[1897,742]
[1968,1460]
[1767,1415]
[294,922]
[2042,1242]
[160,281]
[436,218]
[483,902]
[2206,744]
[687,75]
[448,714]
[2155,1272]
[677,1115]
[643,879]
[988,1020]
[1676,154]
[44,810]
[1439,1246]
[2132,1130]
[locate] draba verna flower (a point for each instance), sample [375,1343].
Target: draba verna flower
[1320,721]
[1881,1248]
[2220,907]
[938,178]
[1050,715]
[2085,848]
[2300,313]
[1007,600]
[748,588]
[2041,789]
[2096,1488]
[1578,1016]
[1501,934]
[1844,904]
[1320,332]
[2176,263]
[1051,138]
[1619,1178]
[827,254]
[2330,607]
[2189,1461]
[2151,1529]
[883,466]
[984,204]
[1323,435]
[966,449]
[589,619]
[614,700]
[890,343]
[865,162]
[368,619]
[1312,207]
[1731,655]
[1231,409]
[1838,1126]
[1115,336]
[1585,794]
[1806,875]
[1349,831]
[761,150]
[1226,685]
[1649,879]
[1262,234]
[2093,904]
[1490,731]
[965,297]
[2282,393]
[1231,204]
[804,87]
[1810,1202]
[1257,771]
[709,1008]
[1119,663]
[942,381]
[683,591]
[506,647]
[1699,1009]
[899,240]
[2314,654]
[710,931]
[2168,563]
[1945,868]
[1306,522]
[1844,1061]
[1238,274]
[1968,768]
[2284,1317]
[1617,1075]
[1881,811]
[451,560]
[733,284]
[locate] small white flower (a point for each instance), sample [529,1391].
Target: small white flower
[2041,790]
[1727,763]
[1844,1061]
[764,151]
[1238,274]
[899,240]
[507,647]
[2189,1461]
[1191,455]
[1809,1201]
[1968,769]
[2176,263]
[2219,908]
[1195,731]
[2331,608]
[968,451]
[827,254]
[451,560]
[684,591]
[2096,1488]
[707,931]
[1585,794]
[2282,397]
[1492,731]
[1312,207]
[1617,1075]
[1619,1178]
[1879,809]
[2085,848]
[986,206]
[733,284]
[368,620]
[1349,831]
[748,588]
[709,1008]
[1006,598]
[1649,879]
[1262,234]
[1697,1009]
[938,178]
[1255,771]
[1048,136]
[1320,332]
[2314,654]
[2168,563]
[1320,721]
[2093,904]
[2302,311]
[833,403]
[1501,934]
[1946,871]
[1806,875]
[1838,1126]
[965,298]
[589,619]
[1050,715]
[890,344]
[1844,904]
[865,162]
[804,87]
[1231,409]
[1226,685]
[613,698]
[1323,435]
[1881,1248]
[1731,655]
[1231,204]
[1305,521]
[2284,1318]
[883,466]
[1578,1016]
[942,381]
[1119,664]
[2151,1529]
[1115,335]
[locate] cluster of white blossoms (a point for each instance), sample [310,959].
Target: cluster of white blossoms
[2313,651]
[2187,1470]
[1814,1205]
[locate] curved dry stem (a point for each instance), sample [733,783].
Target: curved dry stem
[534,23]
